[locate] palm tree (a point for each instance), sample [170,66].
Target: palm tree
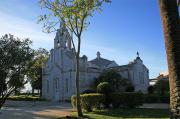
[171,28]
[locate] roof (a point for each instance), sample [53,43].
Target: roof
[101,62]
[122,67]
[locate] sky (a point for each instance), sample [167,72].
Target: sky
[123,28]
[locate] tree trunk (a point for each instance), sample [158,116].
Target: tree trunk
[171,29]
[80,114]
[40,92]
[4,98]
[1,104]
[2,101]
[16,92]
[32,91]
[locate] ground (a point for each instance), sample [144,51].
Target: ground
[35,110]
[54,110]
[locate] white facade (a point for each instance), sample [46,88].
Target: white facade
[58,81]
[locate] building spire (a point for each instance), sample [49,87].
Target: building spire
[98,55]
[137,54]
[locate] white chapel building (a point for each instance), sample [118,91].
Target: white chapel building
[58,81]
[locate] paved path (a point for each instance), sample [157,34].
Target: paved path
[156,106]
[35,110]
[47,110]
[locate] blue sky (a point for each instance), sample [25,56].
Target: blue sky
[123,28]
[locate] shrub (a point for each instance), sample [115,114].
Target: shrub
[25,98]
[150,90]
[130,88]
[151,98]
[156,98]
[73,101]
[88,91]
[165,99]
[105,88]
[162,87]
[127,99]
[89,101]
[116,81]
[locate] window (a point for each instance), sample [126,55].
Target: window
[56,84]
[133,76]
[51,56]
[66,85]
[140,77]
[47,86]
[54,57]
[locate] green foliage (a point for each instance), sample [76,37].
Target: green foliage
[3,85]
[25,98]
[127,99]
[150,89]
[130,88]
[104,88]
[15,55]
[88,91]
[162,86]
[73,101]
[74,13]
[126,113]
[156,98]
[115,80]
[89,101]
[35,68]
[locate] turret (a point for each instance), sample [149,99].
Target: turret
[98,55]
[138,59]
[63,38]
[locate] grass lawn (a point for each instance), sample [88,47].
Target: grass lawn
[127,114]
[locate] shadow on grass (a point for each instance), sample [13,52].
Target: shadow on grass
[124,113]
[134,113]
[74,117]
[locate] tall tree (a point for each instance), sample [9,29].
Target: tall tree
[162,87]
[74,15]
[171,28]
[15,55]
[35,68]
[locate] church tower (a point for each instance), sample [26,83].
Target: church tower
[138,59]
[63,38]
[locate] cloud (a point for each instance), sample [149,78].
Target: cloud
[25,29]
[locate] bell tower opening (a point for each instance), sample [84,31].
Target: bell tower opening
[63,38]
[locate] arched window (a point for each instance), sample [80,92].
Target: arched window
[47,86]
[57,85]
[66,85]
[51,56]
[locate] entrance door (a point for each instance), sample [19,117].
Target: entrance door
[56,89]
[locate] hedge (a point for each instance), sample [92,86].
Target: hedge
[154,98]
[127,99]
[89,101]
[25,98]
[73,101]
